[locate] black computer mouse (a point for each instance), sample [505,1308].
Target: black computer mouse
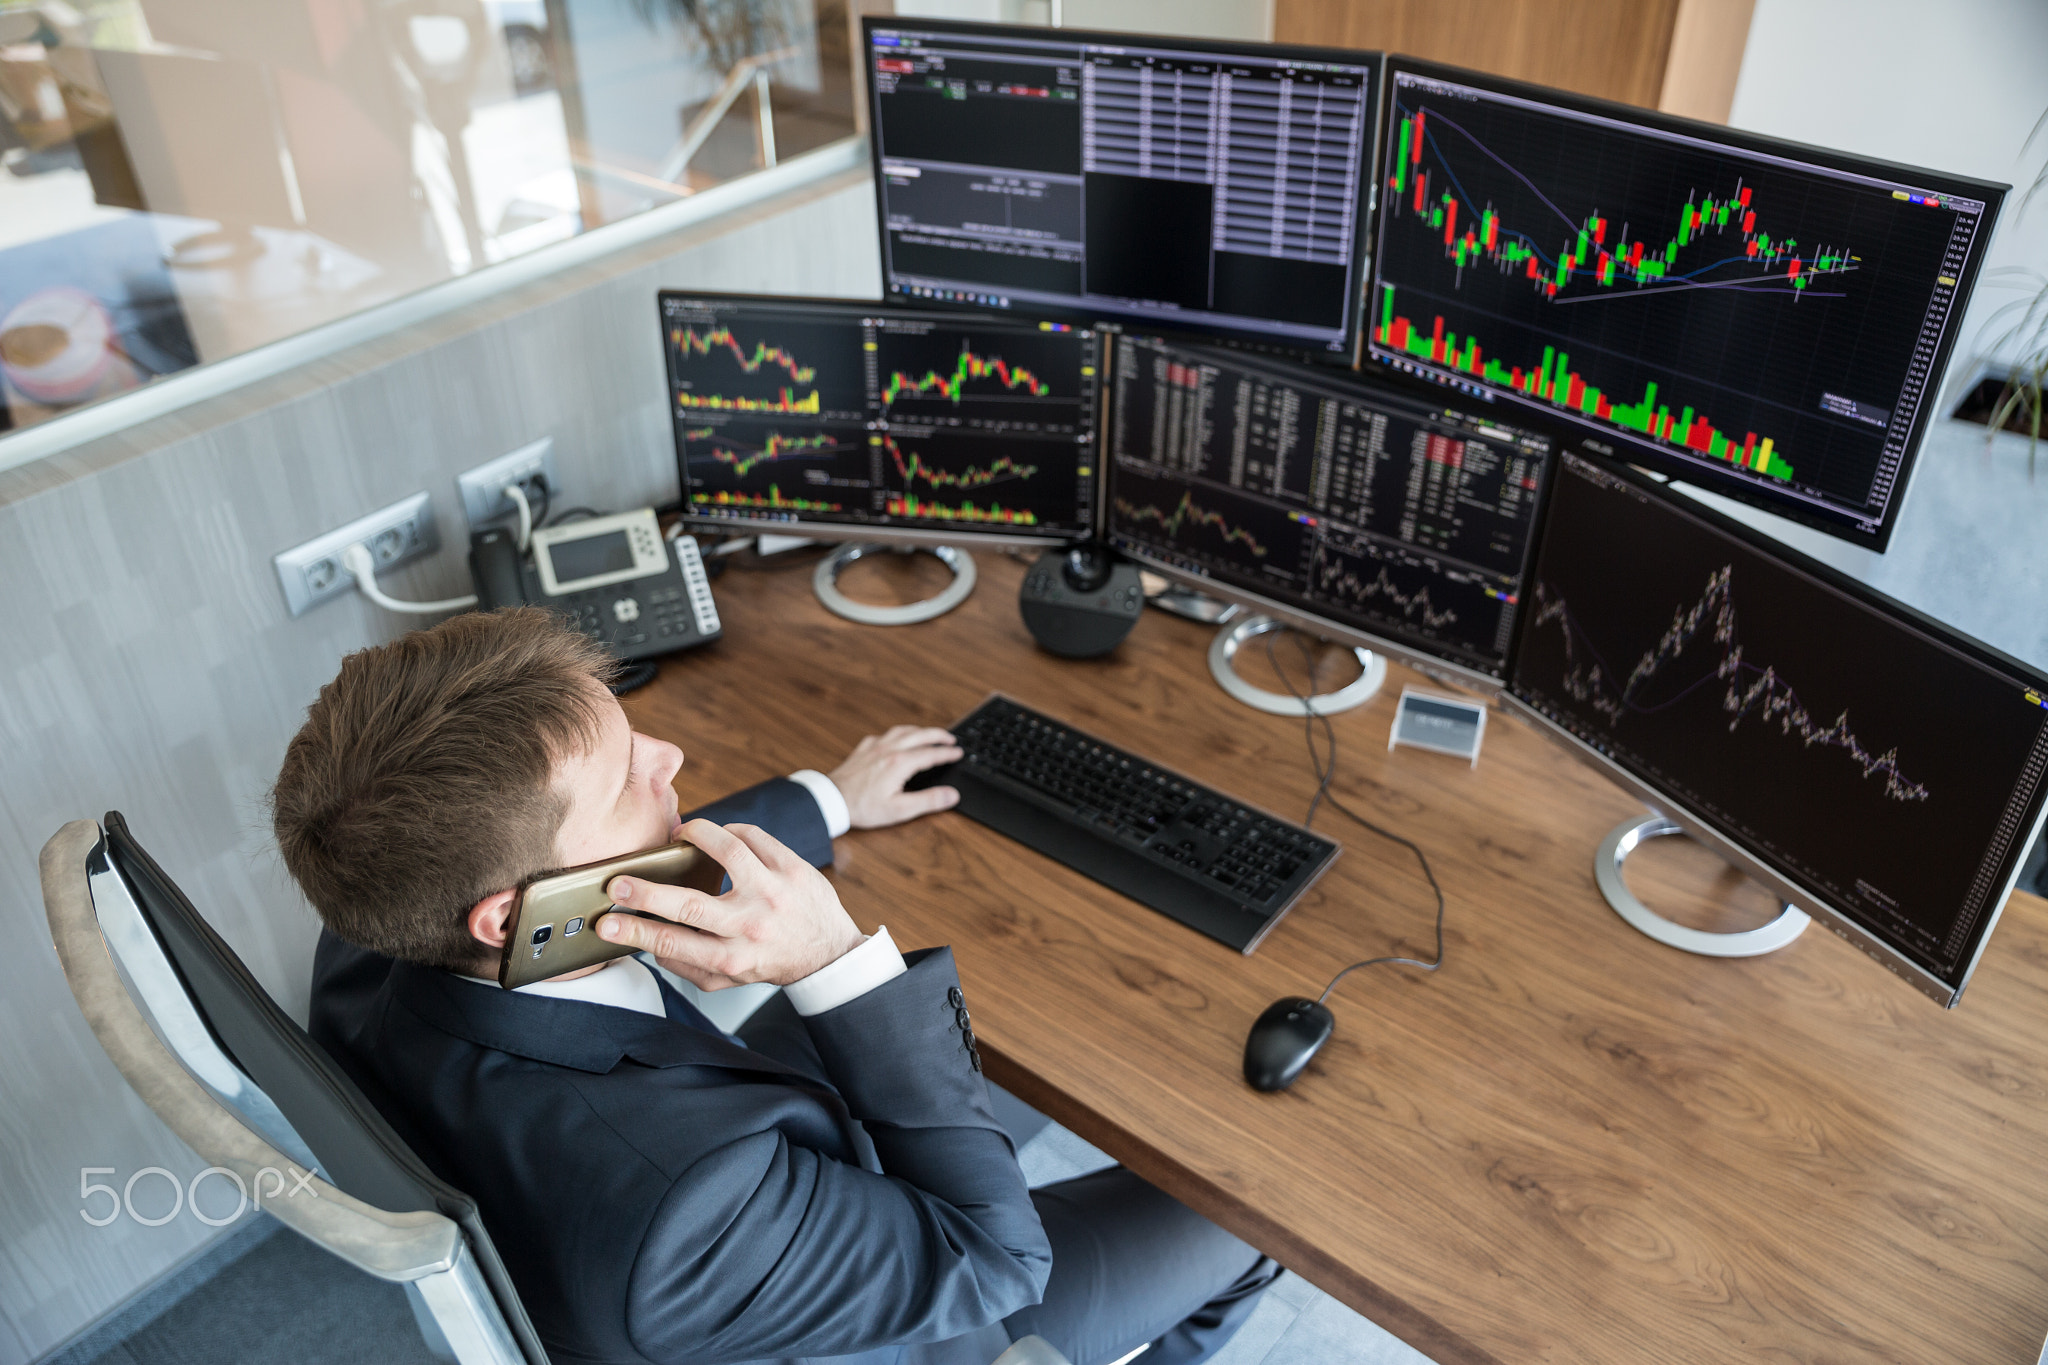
[1286,1036]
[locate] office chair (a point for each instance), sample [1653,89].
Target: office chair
[211,1053]
[249,1091]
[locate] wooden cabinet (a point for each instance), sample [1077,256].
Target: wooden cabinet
[1681,56]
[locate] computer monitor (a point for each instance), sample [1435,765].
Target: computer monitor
[1766,320]
[1363,512]
[852,420]
[1877,769]
[1212,187]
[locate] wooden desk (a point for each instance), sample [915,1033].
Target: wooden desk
[1571,1144]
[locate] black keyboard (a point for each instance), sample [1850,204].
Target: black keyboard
[1184,849]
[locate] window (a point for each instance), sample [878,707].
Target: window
[183,180]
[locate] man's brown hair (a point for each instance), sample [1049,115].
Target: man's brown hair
[422,780]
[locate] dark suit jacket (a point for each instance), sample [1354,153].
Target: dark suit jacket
[661,1192]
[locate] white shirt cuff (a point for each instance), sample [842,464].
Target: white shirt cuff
[831,803]
[862,969]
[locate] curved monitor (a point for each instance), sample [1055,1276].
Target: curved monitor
[1763,319]
[1877,769]
[1361,511]
[1217,188]
[855,421]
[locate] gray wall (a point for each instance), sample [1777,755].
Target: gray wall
[147,663]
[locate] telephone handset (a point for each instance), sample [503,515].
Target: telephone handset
[614,578]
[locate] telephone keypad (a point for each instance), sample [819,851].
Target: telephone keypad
[642,617]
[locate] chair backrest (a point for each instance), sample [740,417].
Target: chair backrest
[380,1207]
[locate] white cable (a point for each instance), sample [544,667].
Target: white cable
[356,559]
[518,495]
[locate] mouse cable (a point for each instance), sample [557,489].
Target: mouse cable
[1325,774]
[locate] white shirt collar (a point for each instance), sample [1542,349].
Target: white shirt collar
[624,983]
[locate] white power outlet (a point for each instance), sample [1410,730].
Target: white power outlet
[312,573]
[483,488]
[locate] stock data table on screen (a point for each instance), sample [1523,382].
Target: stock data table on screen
[834,412]
[1375,509]
[1769,320]
[1218,188]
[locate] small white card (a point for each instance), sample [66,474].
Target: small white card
[1426,720]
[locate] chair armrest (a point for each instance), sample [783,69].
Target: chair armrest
[391,1246]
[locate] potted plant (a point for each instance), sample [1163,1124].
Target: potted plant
[2018,406]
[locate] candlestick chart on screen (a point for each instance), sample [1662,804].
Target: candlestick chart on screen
[1833,736]
[963,475]
[1722,308]
[743,461]
[1412,592]
[1213,525]
[1019,381]
[1745,688]
[774,366]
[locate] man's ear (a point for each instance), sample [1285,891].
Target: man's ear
[486,919]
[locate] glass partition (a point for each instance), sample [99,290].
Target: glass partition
[183,180]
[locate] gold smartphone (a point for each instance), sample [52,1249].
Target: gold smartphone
[554,918]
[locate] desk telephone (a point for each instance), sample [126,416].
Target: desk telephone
[614,578]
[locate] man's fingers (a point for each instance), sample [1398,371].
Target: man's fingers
[727,849]
[906,765]
[909,805]
[678,903]
[775,855]
[915,736]
[662,939]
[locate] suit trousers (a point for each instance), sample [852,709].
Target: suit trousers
[1132,1265]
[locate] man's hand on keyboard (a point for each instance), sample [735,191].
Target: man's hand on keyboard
[780,922]
[872,777]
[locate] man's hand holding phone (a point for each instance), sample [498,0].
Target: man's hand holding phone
[780,922]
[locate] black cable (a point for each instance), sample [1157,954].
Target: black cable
[568,512]
[1325,774]
[540,482]
[634,676]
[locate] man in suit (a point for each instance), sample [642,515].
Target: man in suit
[833,1182]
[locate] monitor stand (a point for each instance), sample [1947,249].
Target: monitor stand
[1196,606]
[825,582]
[1614,851]
[1223,652]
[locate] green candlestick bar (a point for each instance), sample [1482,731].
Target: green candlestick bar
[772,499]
[1593,248]
[1556,382]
